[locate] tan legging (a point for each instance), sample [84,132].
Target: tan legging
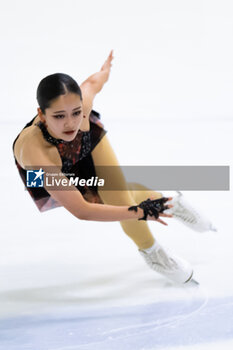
[138,231]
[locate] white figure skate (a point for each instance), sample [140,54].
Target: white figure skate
[188,215]
[170,266]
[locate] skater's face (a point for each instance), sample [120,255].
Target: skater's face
[64,116]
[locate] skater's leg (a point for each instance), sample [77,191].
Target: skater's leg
[104,155]
[156,257]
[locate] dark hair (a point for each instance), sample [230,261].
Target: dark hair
[53,86]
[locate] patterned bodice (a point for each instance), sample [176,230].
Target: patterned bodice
[70,151]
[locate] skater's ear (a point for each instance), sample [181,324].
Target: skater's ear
[41,114]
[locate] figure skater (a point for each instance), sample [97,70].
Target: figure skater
[67,135]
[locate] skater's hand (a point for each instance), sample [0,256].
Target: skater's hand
[93,85]
[151,218]
[153,208]
[106,67]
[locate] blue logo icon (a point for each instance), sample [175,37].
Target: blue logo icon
[35,178]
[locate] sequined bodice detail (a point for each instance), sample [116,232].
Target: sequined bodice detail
[70,151]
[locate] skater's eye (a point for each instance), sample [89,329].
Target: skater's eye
[76,114]
[59,116]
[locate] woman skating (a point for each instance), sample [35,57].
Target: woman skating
[68,137]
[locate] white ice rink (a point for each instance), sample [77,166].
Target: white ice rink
[69,284]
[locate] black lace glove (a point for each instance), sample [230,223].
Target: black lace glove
[151,207]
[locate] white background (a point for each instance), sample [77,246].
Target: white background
[173,59]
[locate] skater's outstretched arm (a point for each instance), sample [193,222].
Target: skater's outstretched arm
[91,86]
[74,202]
[95,82]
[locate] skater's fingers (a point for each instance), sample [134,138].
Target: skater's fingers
[108,63]
[166,215]
[162,222]
[166,199]
[110,55]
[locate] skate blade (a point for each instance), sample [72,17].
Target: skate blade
[193,282]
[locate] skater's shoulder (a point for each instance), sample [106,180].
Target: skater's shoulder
[32,149]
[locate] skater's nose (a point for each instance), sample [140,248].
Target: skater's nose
[69,122]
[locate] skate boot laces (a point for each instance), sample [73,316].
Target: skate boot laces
[162,260]
[185,211]
[168,265]
[187,214]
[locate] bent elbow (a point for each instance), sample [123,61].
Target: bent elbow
[82,217]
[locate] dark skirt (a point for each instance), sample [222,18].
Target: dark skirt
[83,168]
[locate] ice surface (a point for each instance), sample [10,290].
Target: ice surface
[150,326]
[69,284]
